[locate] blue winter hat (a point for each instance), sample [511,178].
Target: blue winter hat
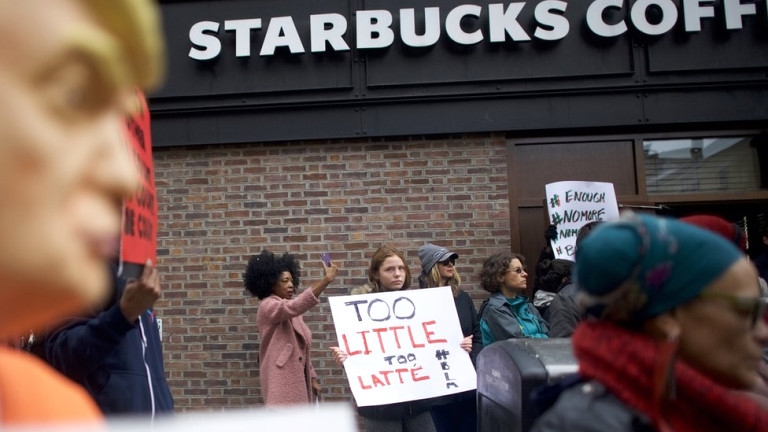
[641,266]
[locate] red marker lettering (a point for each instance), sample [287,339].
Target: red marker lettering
[428,333]
[386,376]
[346,346]
[418,378]
[378,332]
[394,331]
[413,342]
[362,384]
[400,373]
[365,341]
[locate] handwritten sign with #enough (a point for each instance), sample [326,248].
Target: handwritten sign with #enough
[571,205]
[402,345]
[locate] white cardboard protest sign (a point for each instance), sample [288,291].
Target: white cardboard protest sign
[402,345]
[572,204]
[330,417]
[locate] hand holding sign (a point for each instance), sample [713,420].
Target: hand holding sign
[339,355]
[139,237]
[401,345]
[140,294]
[466,344]
[571,204]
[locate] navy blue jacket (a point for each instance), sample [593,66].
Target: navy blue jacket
[115,360]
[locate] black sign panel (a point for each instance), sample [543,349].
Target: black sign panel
[249,70]
[229,74]
[577,54]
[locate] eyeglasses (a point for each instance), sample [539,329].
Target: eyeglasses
[518,270]
[754,306]
[448,262]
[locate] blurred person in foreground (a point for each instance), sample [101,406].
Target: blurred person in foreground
[115,353]
[761,260]
[733,233]
[285,362]
[67,73]
[674,335]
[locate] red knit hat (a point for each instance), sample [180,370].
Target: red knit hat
[716,224]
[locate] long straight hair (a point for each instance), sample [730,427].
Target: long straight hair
[378,258]
[433,280]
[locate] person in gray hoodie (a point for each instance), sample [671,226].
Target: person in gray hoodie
[457,412]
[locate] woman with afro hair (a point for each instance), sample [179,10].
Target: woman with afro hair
[285,369]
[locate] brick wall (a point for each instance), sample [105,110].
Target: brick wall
[220,205]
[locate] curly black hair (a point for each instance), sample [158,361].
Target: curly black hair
[264,269]
[554,274]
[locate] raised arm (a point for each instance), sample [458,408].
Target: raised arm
[330,275]
[273,309]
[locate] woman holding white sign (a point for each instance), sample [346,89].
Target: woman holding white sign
[389,272]
[507,313]
[285,369]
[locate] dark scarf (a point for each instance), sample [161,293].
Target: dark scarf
[625,362]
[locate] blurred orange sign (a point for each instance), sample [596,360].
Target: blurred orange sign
[139,237]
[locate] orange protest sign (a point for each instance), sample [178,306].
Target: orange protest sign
[139,237]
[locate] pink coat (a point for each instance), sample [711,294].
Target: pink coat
[285,368]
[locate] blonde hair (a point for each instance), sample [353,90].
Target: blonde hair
[138,40]
[434,280]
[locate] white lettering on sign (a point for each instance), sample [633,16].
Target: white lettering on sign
[431,27]
[242,30]
[453,25]
[694,12]
[734,10]
[328,28]
[668,16]
[595,13]
[373,29]
[281,32]
[504,22]
[199,34]
[558,23]
[466,24]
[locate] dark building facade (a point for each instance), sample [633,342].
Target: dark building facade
[337,126]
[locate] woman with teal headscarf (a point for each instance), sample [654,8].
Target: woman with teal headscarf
[507,313]
[675,334]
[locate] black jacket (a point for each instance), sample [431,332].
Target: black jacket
[119,363]
[589,407]
[564,313]
[469,321]
[395,411]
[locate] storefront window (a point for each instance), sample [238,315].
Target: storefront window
[701,165]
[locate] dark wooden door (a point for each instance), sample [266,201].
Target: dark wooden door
[534,163]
